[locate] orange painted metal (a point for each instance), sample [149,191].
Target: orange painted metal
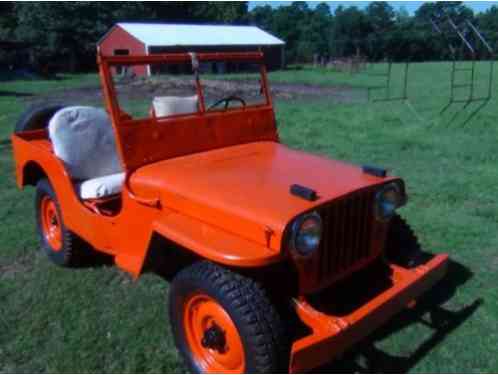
[127,234]
[50,223]
[168,137]
[201,313]
[244,189]
[218,184]
[333,334]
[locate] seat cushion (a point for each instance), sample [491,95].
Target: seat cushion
[83,138]
[101,186]
[174,105]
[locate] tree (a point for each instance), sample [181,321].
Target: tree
[488,24]
[320,29]
[381,16]
[7,19]
[289,23]
[402,16]
[441,9]
[68,31]
[262,16]
[350,30]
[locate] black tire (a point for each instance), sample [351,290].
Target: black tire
[36,117]
[402,246]
[261,329]
[72,250]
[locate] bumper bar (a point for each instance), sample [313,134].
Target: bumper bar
[331,335]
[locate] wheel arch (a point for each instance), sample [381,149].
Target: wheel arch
[32,172]
[165,257]
[177,238]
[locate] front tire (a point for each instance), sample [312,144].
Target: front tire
[62,246]
[224,322]
[402,246]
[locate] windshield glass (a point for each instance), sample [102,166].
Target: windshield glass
[173,89]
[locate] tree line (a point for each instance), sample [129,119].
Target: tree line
[65,33]
[377,32]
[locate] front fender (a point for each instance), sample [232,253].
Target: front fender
[213,243]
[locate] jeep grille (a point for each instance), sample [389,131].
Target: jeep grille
[351,239]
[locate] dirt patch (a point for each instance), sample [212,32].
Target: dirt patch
[136,89]
[91,95]
[248,88]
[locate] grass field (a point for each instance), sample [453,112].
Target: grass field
[97,320]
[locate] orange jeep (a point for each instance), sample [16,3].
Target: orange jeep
[279,260]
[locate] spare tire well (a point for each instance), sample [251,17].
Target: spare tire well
[32,173]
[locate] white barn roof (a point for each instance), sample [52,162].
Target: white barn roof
[157,34]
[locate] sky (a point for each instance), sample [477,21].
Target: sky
[410,6]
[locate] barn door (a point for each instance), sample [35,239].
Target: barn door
[121,70]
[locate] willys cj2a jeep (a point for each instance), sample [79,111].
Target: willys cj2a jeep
[281,260]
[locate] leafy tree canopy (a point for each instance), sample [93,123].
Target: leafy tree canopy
[67,32]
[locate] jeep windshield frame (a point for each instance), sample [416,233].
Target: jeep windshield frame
[143,141]
[119,116]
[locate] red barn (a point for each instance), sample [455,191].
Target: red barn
[149,38]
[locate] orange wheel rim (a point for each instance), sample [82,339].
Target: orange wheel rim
[50,223]
[212,337]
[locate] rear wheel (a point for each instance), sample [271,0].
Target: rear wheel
[224,322]
[61,245]
[36,117]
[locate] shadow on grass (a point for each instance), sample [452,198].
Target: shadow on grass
[15,94]
[442,321]
[481,103]
[428,311]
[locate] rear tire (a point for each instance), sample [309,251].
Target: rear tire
[36,117]
[62,246]
[224,322]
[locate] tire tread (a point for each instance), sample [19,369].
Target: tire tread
[251,304]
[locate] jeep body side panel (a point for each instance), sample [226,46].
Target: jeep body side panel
[34,148]
[126,235]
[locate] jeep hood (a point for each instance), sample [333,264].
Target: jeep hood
[245,189]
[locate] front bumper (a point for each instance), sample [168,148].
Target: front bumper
[333,334]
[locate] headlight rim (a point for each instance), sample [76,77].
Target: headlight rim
[296,226]
[398,187]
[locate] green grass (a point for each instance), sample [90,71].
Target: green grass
[97,320]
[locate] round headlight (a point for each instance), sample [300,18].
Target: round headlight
[306,233]
[388,200]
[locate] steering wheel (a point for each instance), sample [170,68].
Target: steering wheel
[227,100]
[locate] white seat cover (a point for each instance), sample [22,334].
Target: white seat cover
[174,105]
[101,186]
[83,138]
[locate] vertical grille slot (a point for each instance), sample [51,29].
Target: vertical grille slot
[347,235]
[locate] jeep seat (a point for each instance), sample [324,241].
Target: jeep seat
[83,138]
[174,105]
